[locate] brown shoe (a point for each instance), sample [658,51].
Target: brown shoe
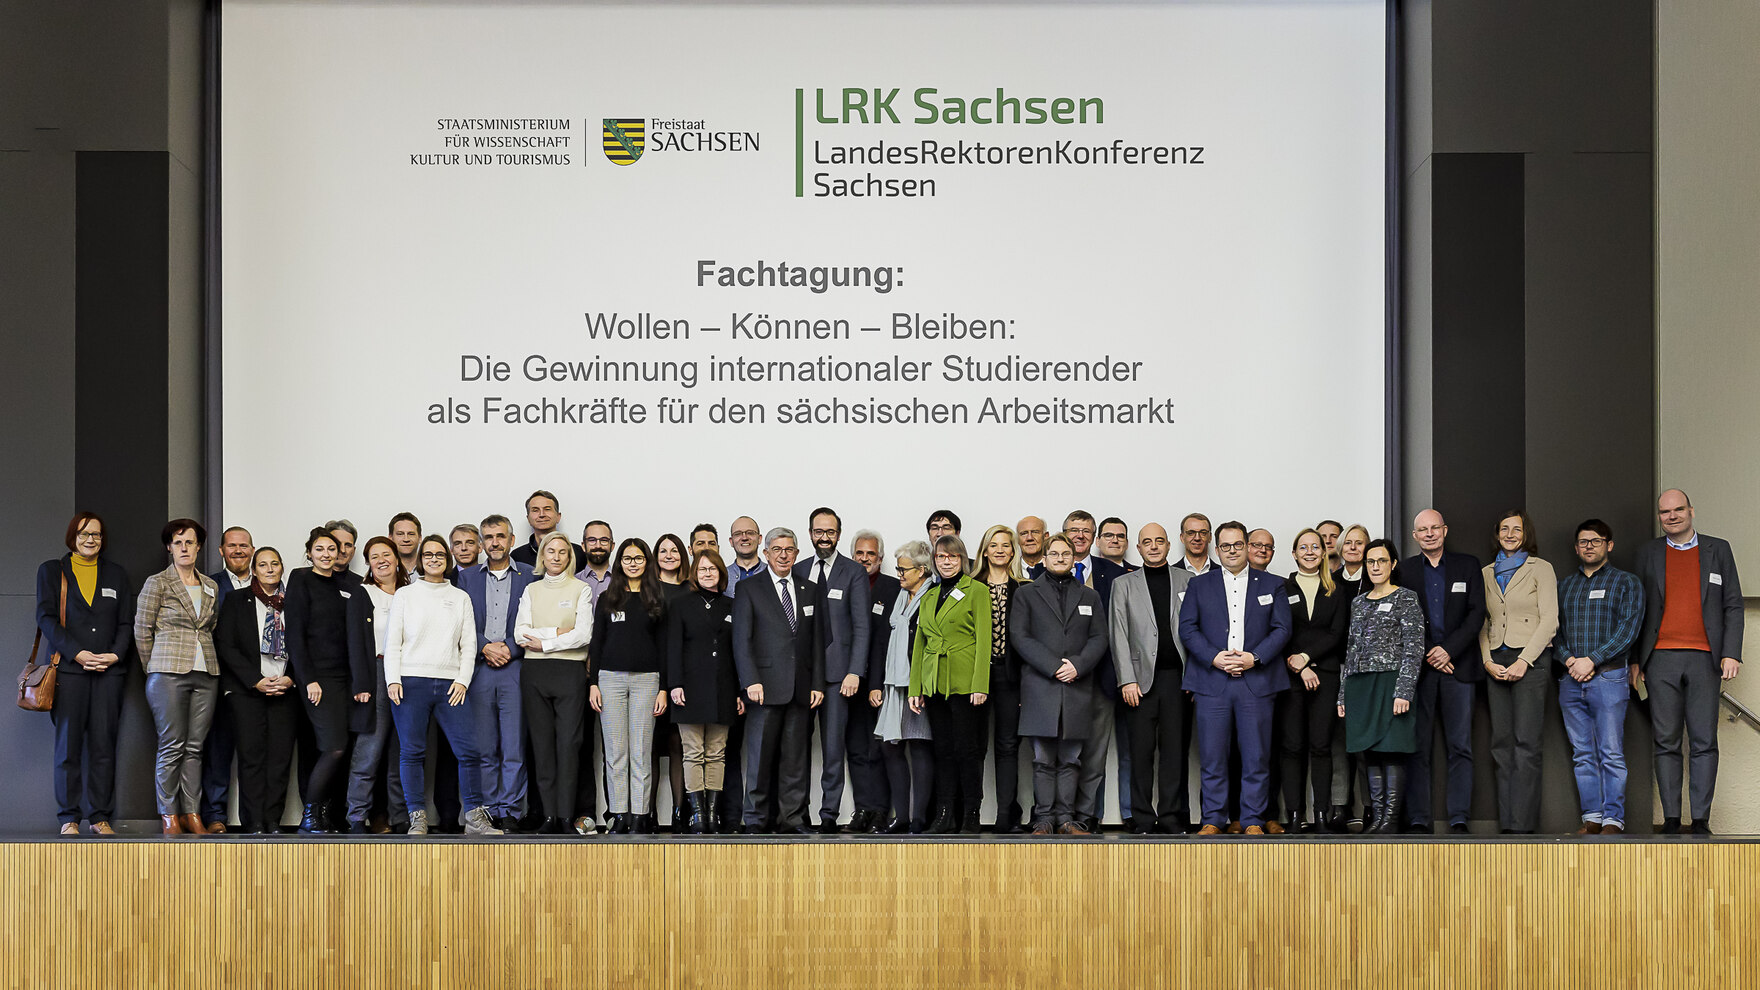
[1254,830]
[191,823]
[1590,828]
[1612,830]
[70,828]
[1234,828]
[1273,828]
[102,828]
[1209,830]
[1072,828]
[1042,828]
[172,825]
[215,828]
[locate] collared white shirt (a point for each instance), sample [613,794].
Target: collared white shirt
[1186,563]
[1690,544]
[827,562]
[1236,586]
[238,582]
[1087,566]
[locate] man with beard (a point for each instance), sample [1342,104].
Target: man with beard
[495,587]
[841,587]
[867,765]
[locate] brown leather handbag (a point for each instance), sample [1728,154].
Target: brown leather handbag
[36,686]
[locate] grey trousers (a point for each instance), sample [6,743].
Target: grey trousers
[1518,720]
[1091,777]
[1054,779]
[1684,685]
[183,706]
[627,718]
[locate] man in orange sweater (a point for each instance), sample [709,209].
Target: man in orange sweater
[1690,644]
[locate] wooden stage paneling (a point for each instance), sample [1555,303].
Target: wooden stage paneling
[1111,913]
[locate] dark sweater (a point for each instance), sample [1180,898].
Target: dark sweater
[316,613]
[1161,598]
[625,638]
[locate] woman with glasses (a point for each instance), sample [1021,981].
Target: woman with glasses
[1380,673]
[628,623]
[670,559]
[999,569]
[704,686]
[174,633]
[430,655]
[84,610]
[326,648]
[902,729]
[251,635]
[1319,619]
[950,681]
[1515,645]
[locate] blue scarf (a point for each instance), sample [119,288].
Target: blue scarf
[1507,564]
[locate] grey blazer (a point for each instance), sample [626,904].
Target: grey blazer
[1043,635]
[1720,596]
[844,614]
[1134,641]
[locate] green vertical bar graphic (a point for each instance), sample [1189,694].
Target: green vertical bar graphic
[799,129]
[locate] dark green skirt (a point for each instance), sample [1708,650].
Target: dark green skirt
[1369,721]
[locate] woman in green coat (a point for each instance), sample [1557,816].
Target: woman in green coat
[950,681]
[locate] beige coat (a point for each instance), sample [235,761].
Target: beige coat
[1526,616]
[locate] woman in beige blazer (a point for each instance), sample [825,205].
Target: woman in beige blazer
[1521,616]
[174,632]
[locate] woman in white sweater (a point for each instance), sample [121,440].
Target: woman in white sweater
[430,654]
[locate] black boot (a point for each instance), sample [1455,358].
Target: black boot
[709,803]
[683,812]
[1394,796]
[1375,815]
[309,821]
[1335,821]
[697,821]
[970,825]
[943,824]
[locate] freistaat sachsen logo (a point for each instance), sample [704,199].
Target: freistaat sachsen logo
[625,138]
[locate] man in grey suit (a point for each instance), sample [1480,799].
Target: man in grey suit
[1690,643]
[780,657]
[841,587]
[1150,659]
[1058,628]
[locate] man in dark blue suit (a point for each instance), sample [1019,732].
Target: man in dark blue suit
[1234,622]
[1452,591]
[236,549]
[495,587]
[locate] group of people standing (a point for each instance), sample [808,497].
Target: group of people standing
[510,663]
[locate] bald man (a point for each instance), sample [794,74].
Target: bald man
[1030,531]
[1150,661]
[1452,593]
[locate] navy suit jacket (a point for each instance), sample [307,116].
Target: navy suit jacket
[845,618]
[1463,610]
[1203,628]
[474,582]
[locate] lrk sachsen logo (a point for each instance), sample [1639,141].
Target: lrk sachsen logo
[626,139]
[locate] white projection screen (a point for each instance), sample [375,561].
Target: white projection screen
[1006,259]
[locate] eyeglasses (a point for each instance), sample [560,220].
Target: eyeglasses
[906,569]
[1591,544]
[597,541]
[947,556]
[1263,546]
[434,555]
[744,534]
[88,536]
[1112,536]
[635,560]
[1196,532]
[823,532]
[785,551]
[1237,545]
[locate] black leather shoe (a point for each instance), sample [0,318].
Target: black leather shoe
[943,823]
[1460,828]
[1669,827]
[645,825]
[897,826]
[756,829]
[830,827]
[1129,824]
[624,824]
[919,826]
[1141,826]
[358,828]
[794,830]
[862,821]
[1337,819]
[553,826]
[1701,826]
[970,825]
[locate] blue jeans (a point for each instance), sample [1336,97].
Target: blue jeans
[424,701]
[363,767]
[495,705]
[1595,721]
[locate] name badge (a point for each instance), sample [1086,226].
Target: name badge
[617,617]
[806,610]
[835,594]
[346,595]
[728,617]
[1085,609]
[1460,588]
[210,592]
[879,609]
[1716,578]
[1295,599]
[566,604]
[1598,593]
[1182,596]
[107,592]
[1384,607]
[956,595]
[1264,599]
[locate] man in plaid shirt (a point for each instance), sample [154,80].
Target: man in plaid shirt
[1599,610]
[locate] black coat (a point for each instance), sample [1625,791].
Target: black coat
[1463,610]
[789,664]
[699,658]
[104,626]
[239,641]
[1044,635]
[883,594]
[1321,637]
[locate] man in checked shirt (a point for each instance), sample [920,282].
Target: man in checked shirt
[1599,610]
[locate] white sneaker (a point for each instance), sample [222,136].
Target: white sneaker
[476,822]
[418,822]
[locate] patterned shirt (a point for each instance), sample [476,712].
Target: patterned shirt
[1386,634]
[998,621]
[1599,614]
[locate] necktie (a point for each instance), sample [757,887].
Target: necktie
[819,578]
[1080,567]
[787,602]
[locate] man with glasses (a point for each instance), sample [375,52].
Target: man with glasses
[1691,642]
[943,522]
[544,515]
[778,650]
[1600,609]
[1261,547]
[743,537]
[595,551]
[1452,593]
[841,600]
[1194,538]
[1234,624]
[1115,541]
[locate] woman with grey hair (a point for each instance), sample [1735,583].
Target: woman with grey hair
[905,733]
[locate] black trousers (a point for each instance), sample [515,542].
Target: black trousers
[1309,724]
[1159,725]
[589,787]
[553,700]
[867,767]
[960,728]
[87,713]
[778,757]
[1005,706]
[217,754]
[910,769]
[265,728]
